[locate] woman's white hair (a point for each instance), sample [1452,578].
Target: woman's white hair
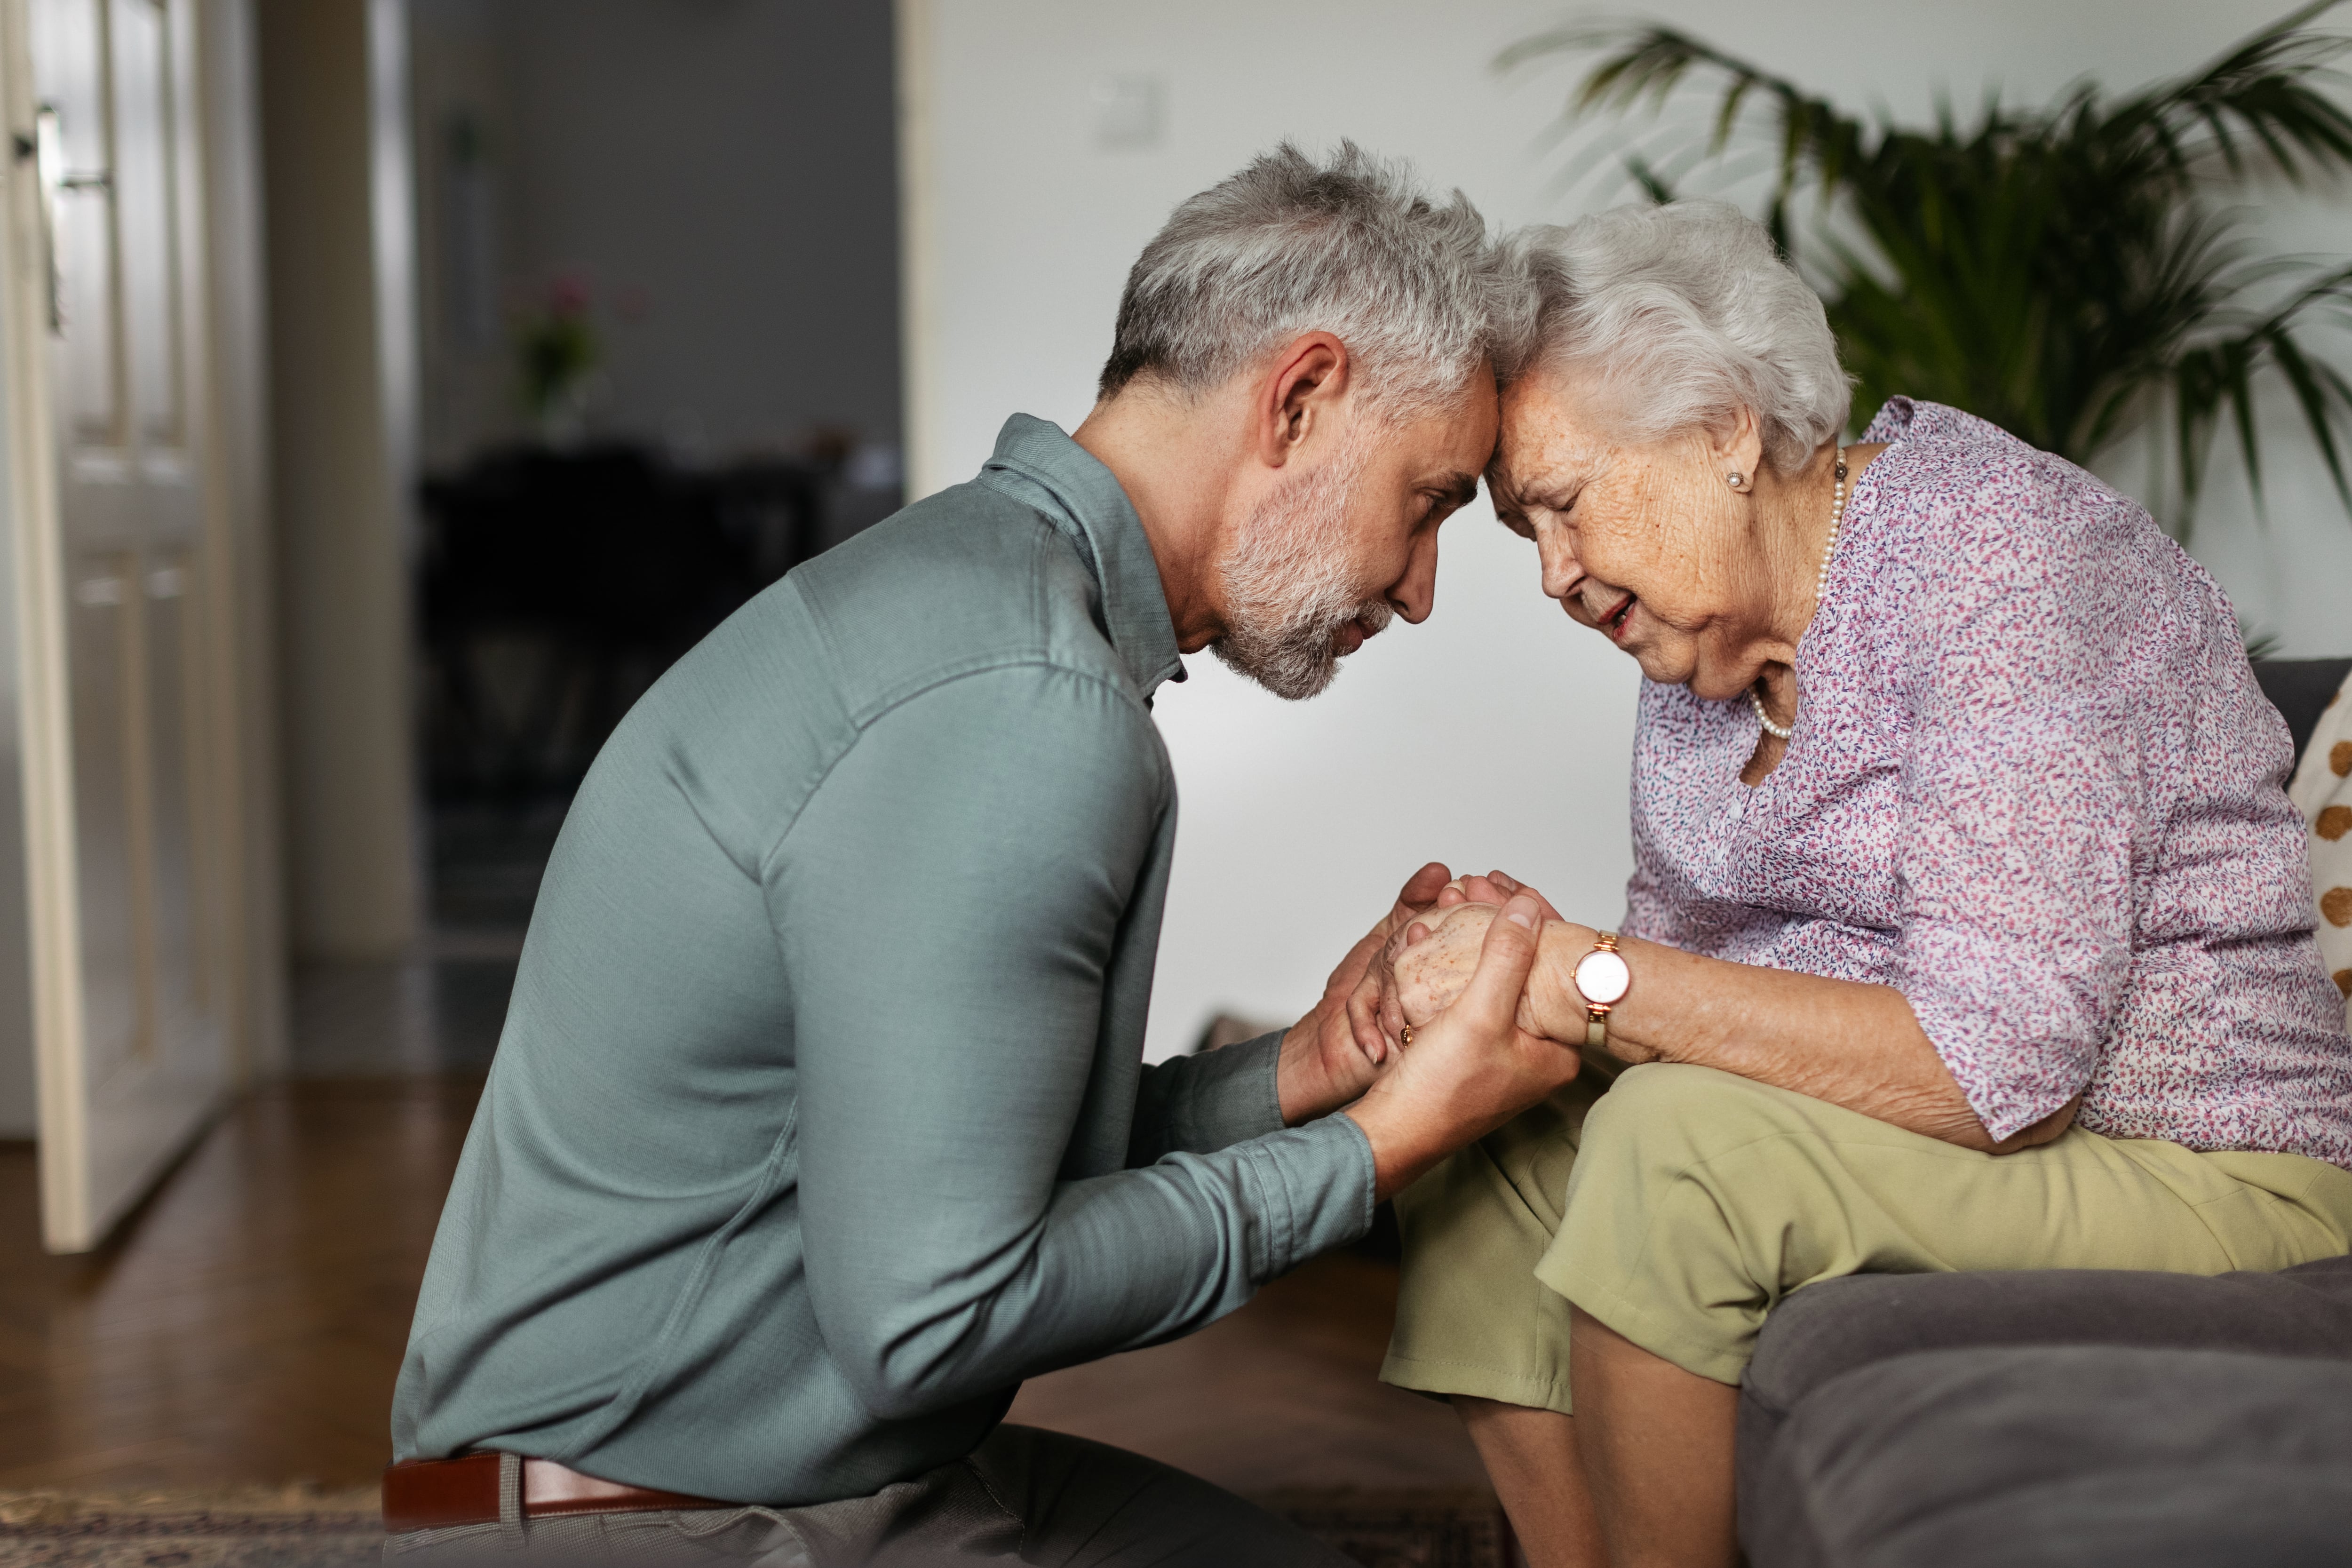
[1684,314]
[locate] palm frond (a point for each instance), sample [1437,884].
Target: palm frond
[1650,62]
[2058,270]
[2268,85]
[2219,376]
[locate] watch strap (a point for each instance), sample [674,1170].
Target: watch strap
[1596,1014]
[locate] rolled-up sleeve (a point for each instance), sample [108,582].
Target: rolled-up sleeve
[946,905]
[1204,1103]
[2020,796]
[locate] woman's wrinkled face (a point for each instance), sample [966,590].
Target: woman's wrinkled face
[1645,543]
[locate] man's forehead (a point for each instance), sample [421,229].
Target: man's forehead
[1449,442]
[1479,422]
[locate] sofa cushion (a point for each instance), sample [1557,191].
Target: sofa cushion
[1828,1329]
[2081,1455]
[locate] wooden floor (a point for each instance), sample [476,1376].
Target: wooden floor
[247,1327]
[1285,1393]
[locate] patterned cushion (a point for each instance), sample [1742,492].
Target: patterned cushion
[2323,789]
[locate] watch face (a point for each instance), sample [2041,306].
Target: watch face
[1601,977]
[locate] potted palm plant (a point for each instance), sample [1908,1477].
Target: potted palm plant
[2069,272]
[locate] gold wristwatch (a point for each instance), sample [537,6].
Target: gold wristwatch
[1603,980]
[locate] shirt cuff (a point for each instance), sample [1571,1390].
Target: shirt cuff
[1312,1187]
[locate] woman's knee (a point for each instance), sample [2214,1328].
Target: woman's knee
[1683,1173]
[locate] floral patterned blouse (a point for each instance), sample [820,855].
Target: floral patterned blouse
[2033,787]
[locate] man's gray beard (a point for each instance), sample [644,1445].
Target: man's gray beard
[1287,587]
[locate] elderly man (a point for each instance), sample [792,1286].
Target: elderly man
[819,1120]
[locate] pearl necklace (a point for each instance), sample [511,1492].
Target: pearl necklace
[1820,586]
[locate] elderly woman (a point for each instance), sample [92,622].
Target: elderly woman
[1969,926]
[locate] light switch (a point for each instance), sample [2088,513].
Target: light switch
[1130,112]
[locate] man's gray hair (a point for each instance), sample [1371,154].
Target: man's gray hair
[1351,246]
[1685,313]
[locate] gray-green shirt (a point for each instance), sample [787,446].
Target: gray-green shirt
[819,1119]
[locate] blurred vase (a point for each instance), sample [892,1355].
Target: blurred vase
[563,417]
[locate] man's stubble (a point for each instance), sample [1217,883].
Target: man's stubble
[1288,588]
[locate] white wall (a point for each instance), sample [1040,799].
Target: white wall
[1299,821]
[238,430]
[342,405]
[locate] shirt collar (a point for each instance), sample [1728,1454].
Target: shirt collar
[1037,464]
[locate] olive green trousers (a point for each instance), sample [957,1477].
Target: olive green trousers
[1680,1205]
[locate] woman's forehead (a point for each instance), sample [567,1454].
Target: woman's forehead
[1545,435]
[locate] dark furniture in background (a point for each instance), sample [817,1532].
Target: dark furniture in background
[556,586]
[2089,1420]
[2301,689]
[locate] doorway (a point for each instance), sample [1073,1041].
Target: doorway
[132,531]
[657,361]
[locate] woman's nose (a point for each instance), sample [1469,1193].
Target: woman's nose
[1561,572]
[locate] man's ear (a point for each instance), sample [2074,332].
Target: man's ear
[1739,448]
[1296,394]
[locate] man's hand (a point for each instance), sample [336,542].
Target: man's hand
[1325,1063]
[1471,1068]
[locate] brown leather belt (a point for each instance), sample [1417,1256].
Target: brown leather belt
[434,1494]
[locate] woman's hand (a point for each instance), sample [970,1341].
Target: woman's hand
[1462,909]
[1431,961]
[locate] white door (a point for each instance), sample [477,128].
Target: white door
[122,699]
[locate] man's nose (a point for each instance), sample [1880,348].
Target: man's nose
[1415,594]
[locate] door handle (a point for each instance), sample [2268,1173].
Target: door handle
[45,149]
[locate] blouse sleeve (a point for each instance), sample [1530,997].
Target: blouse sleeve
[1650,913]
[2020,803]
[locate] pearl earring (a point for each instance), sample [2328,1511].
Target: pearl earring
[1735,479]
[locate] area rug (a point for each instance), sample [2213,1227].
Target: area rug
[1433,1529]
[292,1527]
[303,1528]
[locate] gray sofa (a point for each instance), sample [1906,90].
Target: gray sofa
[2065,1416]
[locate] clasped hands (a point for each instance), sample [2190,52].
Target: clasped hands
[1453,959]
[1424,969]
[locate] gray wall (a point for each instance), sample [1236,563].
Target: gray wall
[720,175]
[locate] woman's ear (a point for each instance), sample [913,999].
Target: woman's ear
[1739,449]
